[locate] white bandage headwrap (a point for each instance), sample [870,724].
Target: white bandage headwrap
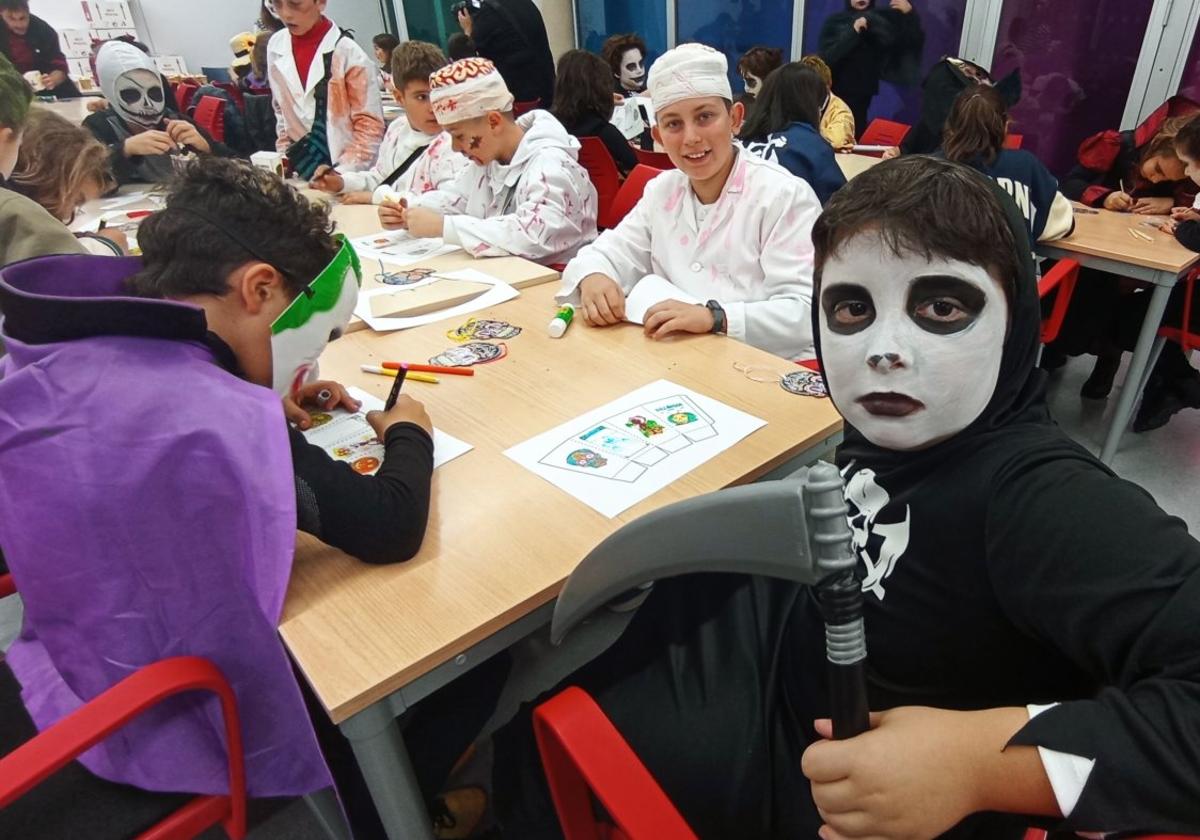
[467,89]
[689,71]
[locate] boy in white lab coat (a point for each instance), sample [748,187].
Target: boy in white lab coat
[526,194]
[725,227]
[416,155]
[325,91]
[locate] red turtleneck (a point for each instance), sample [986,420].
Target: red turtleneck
[304,47]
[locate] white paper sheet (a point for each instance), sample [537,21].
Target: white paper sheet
[650,290]
[499,293]
[399,249]
[349,437]
[626,451]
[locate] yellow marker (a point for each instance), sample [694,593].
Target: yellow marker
[412,376]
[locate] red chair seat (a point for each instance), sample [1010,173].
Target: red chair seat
[656,160]
[210,115]
[631,192]
[883,132]
[595,157]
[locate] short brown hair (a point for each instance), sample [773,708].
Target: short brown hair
[14,5]
[817,63]
[583,87]
[1188,138]
[760,61]
[617,45]
[56,160]
[922,205]
[976,126]
[415,61]
[1163,142]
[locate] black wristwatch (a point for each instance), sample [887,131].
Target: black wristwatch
[718,316]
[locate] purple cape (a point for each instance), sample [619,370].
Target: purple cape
[147,510]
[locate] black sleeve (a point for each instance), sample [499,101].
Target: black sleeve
[838,38]
[378,519]
[1188,234]
[50,56]
[1089,565]
[619,147]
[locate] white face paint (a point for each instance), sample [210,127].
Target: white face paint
[139,98]
[753,83]
[911,347]
[633,70]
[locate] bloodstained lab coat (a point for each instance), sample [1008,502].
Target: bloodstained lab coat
[148,510]
[753,253]
[540,206]
[354,123]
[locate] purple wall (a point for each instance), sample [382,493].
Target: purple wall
[1189,85]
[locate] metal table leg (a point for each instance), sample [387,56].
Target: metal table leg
[379,749]
[1134,377]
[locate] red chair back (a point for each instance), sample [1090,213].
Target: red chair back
[184,92]
[520,108]
[583,754]
[883,132]
[1062,277]
[235,93]
[631,192]
[1182,335]
[7,587]
[657,160]
[602,169]
[1013,141]
[53,748]
[210,115]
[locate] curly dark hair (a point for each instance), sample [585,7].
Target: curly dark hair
[760,61]
[583,87]
[1188,139]
[220,214]
[617,45]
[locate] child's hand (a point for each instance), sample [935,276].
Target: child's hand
[361,197]
[1169,226]
[406,410]
[672,316]
[323,394]
[892,152]
[860,25]
[185,134]
[424,223]
[601,301]
[902,6]
[1152,206]
[1184,214]
[393,215]
[149,143]
[1120,201]
[116,236]
[326,180]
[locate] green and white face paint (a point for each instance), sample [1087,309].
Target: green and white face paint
[316,317]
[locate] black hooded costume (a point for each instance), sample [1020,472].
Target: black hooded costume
[890,49]
[1019,570]
[943,83]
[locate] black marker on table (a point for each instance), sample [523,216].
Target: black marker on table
[395,394]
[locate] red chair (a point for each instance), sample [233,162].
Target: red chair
[1013,141]
[657,160]
[520,108]
[184,92]
[1063,277]
[883,132]
[210,115]
[51,750]
[631,192]
[235,93]
[1182,334]
[583,754]
[595,157]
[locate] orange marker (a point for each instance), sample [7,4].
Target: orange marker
[456,371]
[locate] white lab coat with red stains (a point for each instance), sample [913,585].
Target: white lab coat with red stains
[541,205]
[435,169]
[752,253]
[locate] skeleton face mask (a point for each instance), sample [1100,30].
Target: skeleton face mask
[753,83]
[911,347]
[140,98]
[633,70]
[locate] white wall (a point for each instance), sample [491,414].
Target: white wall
[61,14]
[559,16]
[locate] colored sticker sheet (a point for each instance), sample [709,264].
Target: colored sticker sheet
[347,436]
[627,450]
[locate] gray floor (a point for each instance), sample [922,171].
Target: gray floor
[1164,462]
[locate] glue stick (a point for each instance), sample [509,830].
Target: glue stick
[562,320]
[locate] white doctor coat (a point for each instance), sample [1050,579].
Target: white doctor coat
[753,253]
[541,205]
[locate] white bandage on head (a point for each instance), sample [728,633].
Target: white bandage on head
[466,90]
[689,71]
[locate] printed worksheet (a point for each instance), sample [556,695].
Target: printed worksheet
[347,436]
[400,249]
[621,453]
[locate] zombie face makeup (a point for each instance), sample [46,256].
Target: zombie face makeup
[911,347]
[633,70]
[753,83]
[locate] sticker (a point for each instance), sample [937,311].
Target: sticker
[404,278]
[475,353]
[806,383]
[648,428]
[483,330]
[365,466]
[319,419]
[586,458]
[613,441]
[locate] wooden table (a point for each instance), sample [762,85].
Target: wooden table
[854,164]
[74,109]
[374,640]
[1102,240]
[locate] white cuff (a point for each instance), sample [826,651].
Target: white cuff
[1068,773]
[450,232]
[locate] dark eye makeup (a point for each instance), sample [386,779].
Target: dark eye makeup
[944,304]
[848,308]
